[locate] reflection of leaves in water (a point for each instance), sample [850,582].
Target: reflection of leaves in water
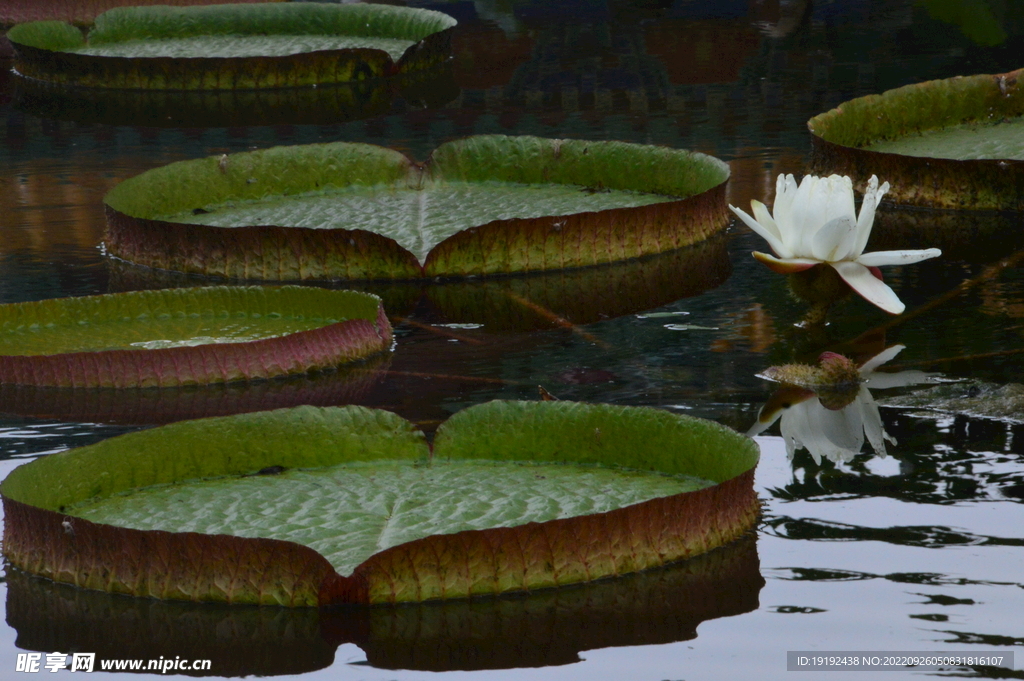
[806,574]
[985,672]
[796,609]
[921,536]
[931,617]
[801,574]
[942,599]
[984,639]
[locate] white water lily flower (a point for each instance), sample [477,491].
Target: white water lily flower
[836,434]
[816,223]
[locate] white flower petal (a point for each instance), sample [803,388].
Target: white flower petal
[840,198]
[762,215]
[881,358]
[871,420]
[881,258]
[867,285]
[881,380]
[785,265]
[782,209]
[866,219]
[761,426]
[808,214]
[835,435]
[833,241]
[765,234]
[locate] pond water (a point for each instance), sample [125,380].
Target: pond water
[920,550]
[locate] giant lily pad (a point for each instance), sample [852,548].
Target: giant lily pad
[954,143]
[481,205]
[186,336]
[233,46]
[550,627]
[514,496]
[80,12]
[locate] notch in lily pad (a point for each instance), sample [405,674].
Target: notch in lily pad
[513,496]
[551,627]
[478,206]
[189,336]
[953,143]
[234,46]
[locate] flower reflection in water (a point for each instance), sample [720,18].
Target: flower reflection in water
[829,410]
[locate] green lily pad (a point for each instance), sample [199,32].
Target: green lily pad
[1000,139]
[481,205]
[350,512]
[234,46]
[953,143]
[186,336]
[549,627]
[514,496]
[81,12]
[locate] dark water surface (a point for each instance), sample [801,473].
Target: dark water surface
[919,550]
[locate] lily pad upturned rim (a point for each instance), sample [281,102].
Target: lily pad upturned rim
[136,234]
[42,47]
[547,628]
[41,539]
[364,331]
[538,300]
[976,184]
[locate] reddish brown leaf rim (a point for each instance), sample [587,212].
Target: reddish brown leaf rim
[551,627]
[40,50]
[577,296]
[365,331]
[839,134]
[42,540]
[584,239]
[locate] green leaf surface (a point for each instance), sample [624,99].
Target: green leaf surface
[223,46]
[214,447]
[601,434]
[161,22]
[348,513]
[517,496]
[481,205]
[187,336]
[234,46]
[1003,139]
[953,143]
[166,319]
[47,35]
[418,219]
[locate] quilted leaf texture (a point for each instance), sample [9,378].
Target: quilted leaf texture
[109,56]
[842,139]
[483,205]
[181,337]
[43,536]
